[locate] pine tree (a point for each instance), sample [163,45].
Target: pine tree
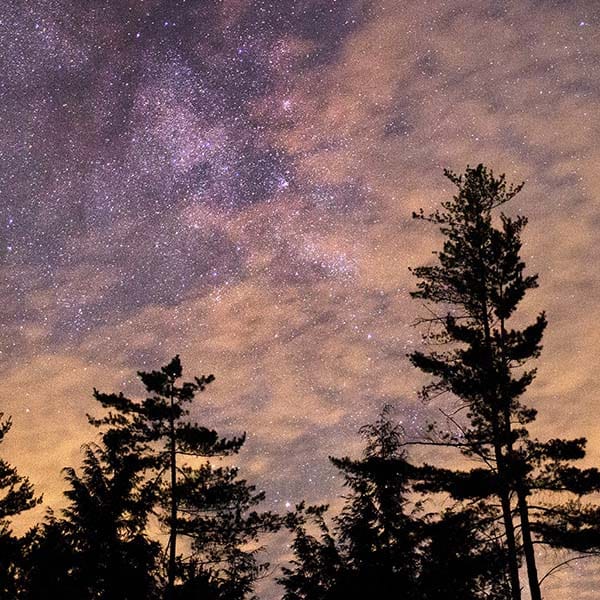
[219,520]
[373,547]
[105,524]
[318,570]
[50,564]
[204,504]
[382,546]
[478,281]
[16,495]
[462,557]
[556,494]
[98,548]
[376,531]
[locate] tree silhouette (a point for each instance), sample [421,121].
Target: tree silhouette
[318,570]
[377,534]
[16,495]
[50,564]
[204,504]
[373,547]
[382,545]
[478,281]
[461,558]
[99,548]
[223,529]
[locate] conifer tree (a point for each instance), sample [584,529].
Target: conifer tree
[478,281]
[223,530]
[376,529]
[318,570]
[373,547]
[462,557]
[207,505]
[16,495]
[382,546]
[49,564]
[98,548]
[105,524]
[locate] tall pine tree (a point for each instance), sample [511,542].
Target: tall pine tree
[203,503]
[478,282]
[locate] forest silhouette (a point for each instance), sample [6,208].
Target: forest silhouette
[154,513]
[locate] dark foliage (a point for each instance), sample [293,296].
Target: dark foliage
[381,545]
[463,557]
[205,504]
[99,548]
[217,517]
[478,281]
[373,546]
[16,495]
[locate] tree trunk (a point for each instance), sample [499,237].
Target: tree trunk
[173,518]
[532,576]
[504,492]
[509,529]
[534,585]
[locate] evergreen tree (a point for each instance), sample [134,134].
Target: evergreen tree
[479,280]
[377,534]
[462,557]
[105,524]
[219,520]
[556,494]
[318,570]
[373,548]
[206,505]
[16,495]
[50,564]
[99,548]
[381,545]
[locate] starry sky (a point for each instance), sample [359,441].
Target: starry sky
[233,181]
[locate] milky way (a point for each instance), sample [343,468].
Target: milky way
[233,181]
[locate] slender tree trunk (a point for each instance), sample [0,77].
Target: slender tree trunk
[504,492]
[513,565]
[528,551]
[173,519]
[532,575]
[509,526]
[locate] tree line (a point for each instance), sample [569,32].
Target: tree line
[152,513]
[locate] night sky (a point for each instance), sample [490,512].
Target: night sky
[233,181]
